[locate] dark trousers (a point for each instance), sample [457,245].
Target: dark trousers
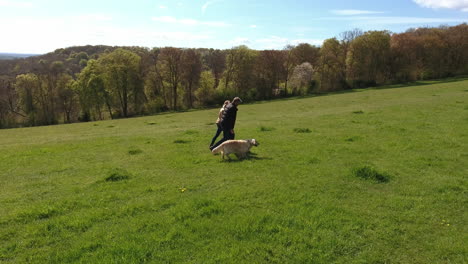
[227,135]
[220,129]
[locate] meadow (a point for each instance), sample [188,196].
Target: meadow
[368,176]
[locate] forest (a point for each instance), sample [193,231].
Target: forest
[88,83]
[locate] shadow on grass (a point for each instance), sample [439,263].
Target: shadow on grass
[181,141]
[250,156]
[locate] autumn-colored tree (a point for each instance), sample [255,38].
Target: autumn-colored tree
[457,46]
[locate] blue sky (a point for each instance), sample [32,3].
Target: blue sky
[40,26]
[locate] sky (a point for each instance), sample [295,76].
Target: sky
[41,26]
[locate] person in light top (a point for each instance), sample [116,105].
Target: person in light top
[218,122]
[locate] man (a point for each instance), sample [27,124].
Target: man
[228,121]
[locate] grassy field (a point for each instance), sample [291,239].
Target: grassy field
[370,176]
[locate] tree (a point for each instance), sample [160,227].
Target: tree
[93,96]
[122,79]
[28,88]
[269,70]
[304,52]
[8,103]
[368,59]
[332,72]
[289,64]
[206,92]
[345,40]
[240,65]
[66,97]
[301,80]
[170,67]
[191,70]
[216,62]
[155,89]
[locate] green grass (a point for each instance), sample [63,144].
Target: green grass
[148,189]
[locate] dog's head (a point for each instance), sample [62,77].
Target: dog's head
[254,142]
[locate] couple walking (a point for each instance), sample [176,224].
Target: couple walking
[226,121]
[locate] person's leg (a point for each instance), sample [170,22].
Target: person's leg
[226,136]
[220,129]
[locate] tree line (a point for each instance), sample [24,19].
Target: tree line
[128,81]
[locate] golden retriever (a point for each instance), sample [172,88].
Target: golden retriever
[239,147]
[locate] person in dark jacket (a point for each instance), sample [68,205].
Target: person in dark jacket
[228,121]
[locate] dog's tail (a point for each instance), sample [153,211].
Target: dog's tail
[217,149]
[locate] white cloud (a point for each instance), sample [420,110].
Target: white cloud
[353,12]
[253,26]
[48,34]
[452,4]
[205,6]
[17,4]
[390,20]
[189,21]
[162,7]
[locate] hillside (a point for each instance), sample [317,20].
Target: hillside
[147,190]
[14,64]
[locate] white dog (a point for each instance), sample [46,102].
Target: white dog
[239,147]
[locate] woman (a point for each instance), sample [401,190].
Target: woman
[218,122]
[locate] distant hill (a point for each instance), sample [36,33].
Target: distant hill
[73,58]
[12,56]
